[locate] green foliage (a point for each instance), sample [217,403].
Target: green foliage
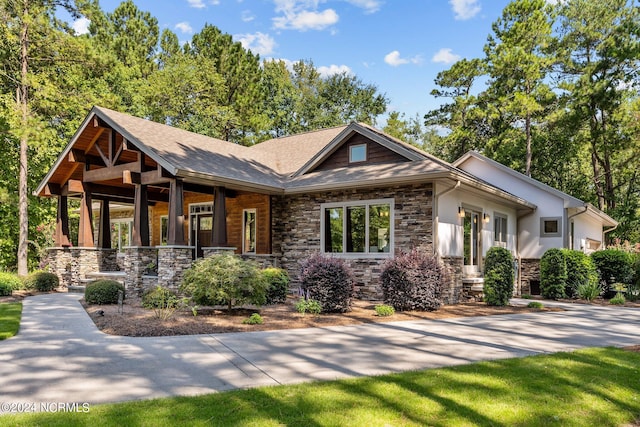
[618,299]
[327,280]
[159,297]
[589,291]
[384,310]
[580,270]
[278,285]
[308,306]
[5,289]
[254,319]
[103,292]
[41,281]
[10,281]
[553,274]
[613,266]
[498,276]
[535,304]
[413,281]
[225,279]
[525,296]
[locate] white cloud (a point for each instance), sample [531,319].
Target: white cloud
[81,26]
[394,59]
[198,4]
[333,69]
[303,15]
[369,6]
[465,9]
[445,56]
[258,43]
[247,16]
[184,27]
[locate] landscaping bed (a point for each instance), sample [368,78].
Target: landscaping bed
[138,321]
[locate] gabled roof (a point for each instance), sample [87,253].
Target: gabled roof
[570,201]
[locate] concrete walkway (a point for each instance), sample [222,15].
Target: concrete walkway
[60,356]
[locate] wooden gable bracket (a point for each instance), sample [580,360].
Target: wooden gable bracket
[152,177]
[79,156]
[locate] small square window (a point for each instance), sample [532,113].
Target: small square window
[358,153]
[550,227]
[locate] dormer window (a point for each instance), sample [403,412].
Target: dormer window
[357,153]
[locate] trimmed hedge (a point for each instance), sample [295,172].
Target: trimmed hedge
[103,292]
[10,280]
[614,266]
[580,271]
[278,288]
[42,281]
[329,281]
[553,274]
[413,281]
[5,289]
[498,276]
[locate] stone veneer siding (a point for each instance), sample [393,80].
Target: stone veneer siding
[528,269]
[136,261]
[454,290]
[173,261]
[296,229]
[72,264]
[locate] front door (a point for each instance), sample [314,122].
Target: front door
[472,248]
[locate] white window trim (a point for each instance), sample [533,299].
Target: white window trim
[365,203]
[366,154]
[130,232]
[255,213]
[497,215]
[551,218]
[196,213]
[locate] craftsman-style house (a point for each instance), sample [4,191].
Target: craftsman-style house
[154,197]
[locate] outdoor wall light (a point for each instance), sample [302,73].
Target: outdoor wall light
[460,211]
[486,217]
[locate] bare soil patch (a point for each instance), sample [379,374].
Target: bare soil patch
[137,321]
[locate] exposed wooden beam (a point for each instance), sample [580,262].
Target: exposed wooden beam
[103,156]
[111,172]
[79,156]
[94,139]
[52,190]
[75,186]
[129,177]
[127,193]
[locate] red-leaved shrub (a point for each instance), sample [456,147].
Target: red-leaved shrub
[329,281]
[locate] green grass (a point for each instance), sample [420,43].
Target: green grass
[599,386]
[10,314]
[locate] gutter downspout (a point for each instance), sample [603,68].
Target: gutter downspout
[566,233]
[436,218]
[604,234]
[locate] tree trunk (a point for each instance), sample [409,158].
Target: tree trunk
[22,186]
[527,129]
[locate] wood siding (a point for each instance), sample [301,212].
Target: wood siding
[376,153]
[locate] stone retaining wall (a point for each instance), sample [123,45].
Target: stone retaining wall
[71,264]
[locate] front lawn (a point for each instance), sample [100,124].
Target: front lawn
[10,313]
[598,386]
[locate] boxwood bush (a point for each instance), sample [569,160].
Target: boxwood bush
[329,281]
[498,276]
[413,281]
[103,292]
[613,266]
[278,285]
[580,271]
[553,274]
[42,281]
[10,280]
[225,279]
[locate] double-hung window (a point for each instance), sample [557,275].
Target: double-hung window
[500,230]
[362,227]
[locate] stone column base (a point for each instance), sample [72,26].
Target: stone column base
[218,250]
[173,261]
[137,260]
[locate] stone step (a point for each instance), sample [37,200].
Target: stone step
[78,289]
[118,276]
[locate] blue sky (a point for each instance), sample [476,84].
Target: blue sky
[398,45]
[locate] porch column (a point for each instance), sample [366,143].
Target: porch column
[62,223]
[219,234]
[175,232]
[104,231]
[140,235]
[85,229]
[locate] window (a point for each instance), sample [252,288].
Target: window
[550,227]
[164,229]
[593,245]
[121,233]
[364,227]
[500,230]
[249,231]
[358,153]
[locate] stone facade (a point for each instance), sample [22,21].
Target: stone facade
[296,229]
[71,265]
[529,271]
[173,261]
[264,261]
[215,250]
[455,291]
[137,261]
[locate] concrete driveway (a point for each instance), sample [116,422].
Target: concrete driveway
[60,356]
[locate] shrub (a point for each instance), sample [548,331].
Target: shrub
[254,319]
[384,310]
[42,281]
[498,276]
[613,266]
[5,289]
[413,281]
[225,279]
[329,281]
[580,270]
[308,306]
[589,290]
[553,274]
[103,292]
[278,285]
[633,292]
[159,297]
[618,299]
[535,304]
[10,280]
[525,296]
